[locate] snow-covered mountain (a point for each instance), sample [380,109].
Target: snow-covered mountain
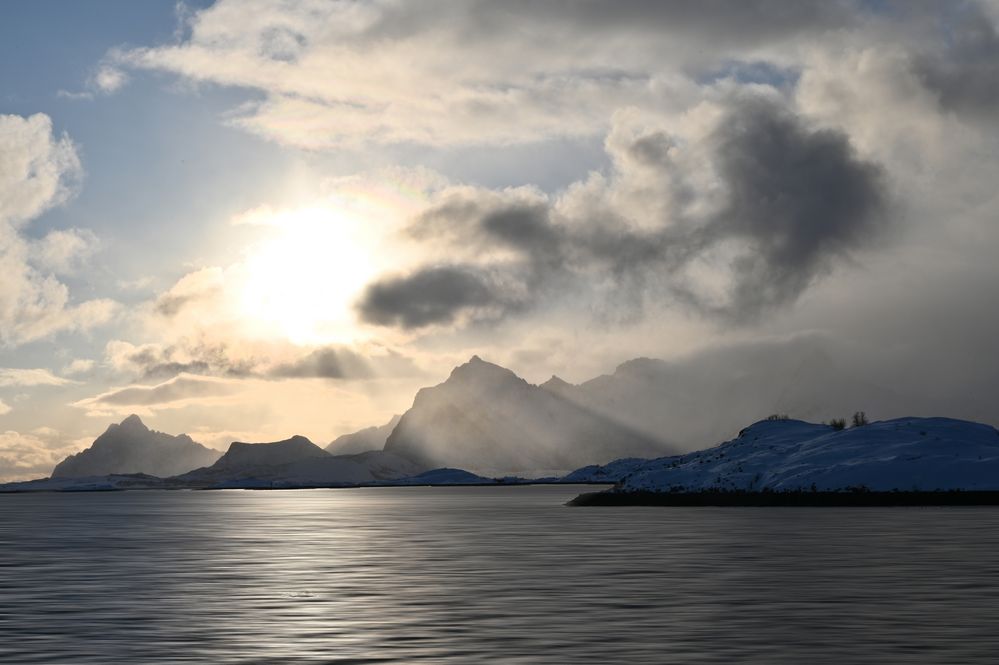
[130,447]
[369,438]
[905,454]
[486,419]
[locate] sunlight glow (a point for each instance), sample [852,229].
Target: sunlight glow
[301,281]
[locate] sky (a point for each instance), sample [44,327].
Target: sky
[246,220]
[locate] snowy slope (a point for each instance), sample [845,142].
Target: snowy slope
[607,473]
[906,454]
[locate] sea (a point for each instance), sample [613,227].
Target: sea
[487,574]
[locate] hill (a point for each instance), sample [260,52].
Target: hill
[914,455]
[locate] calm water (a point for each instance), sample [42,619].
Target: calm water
[500,574]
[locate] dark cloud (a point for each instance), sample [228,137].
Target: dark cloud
[793,200]
[432,295]
[800,198]
[964,72]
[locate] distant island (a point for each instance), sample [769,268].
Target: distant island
[906,461]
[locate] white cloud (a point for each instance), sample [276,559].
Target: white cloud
[445,73]
[79,366]
[37,171]
[4,408]
[64,251]
[109,79]
[30,377]
[29,456]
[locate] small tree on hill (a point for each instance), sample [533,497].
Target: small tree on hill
[859,419]
[837,424]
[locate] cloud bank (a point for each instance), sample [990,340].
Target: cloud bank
[39,170]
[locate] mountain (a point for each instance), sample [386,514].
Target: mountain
[130,447]
[705,398]
[369,438]
[487,420]
[901,455]
[295,462]
[251,455]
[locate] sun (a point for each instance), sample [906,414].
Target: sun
[301,280]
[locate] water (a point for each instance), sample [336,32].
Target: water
[500,574]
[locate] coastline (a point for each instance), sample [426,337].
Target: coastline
[791,499]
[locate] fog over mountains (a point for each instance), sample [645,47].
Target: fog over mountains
[369,438]
[488,420]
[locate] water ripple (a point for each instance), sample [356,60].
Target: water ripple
[508,574]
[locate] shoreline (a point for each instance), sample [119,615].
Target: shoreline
[790,499]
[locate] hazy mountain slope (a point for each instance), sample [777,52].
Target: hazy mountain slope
[369,438]
[488,420]
[250,455]
[295,462]
[923,454]
[706,398]
[130,447]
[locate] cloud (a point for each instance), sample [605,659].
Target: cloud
[963,70]
[4,408]
[30,377]
[38,171]
[733,218]
[200,285]
[453,73]
[109,79]
[261,361]
[324,363]
[79,366]
[29,456]
[64,251]
[430,295]
[180,388]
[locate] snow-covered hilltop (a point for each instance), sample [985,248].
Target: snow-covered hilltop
[902,455]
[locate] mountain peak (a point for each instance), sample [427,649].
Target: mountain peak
[133,422]
[477,369]
[557,385]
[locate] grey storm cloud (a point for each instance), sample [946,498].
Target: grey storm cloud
[964,72]
[800,198]
[435,294]
[795,199]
